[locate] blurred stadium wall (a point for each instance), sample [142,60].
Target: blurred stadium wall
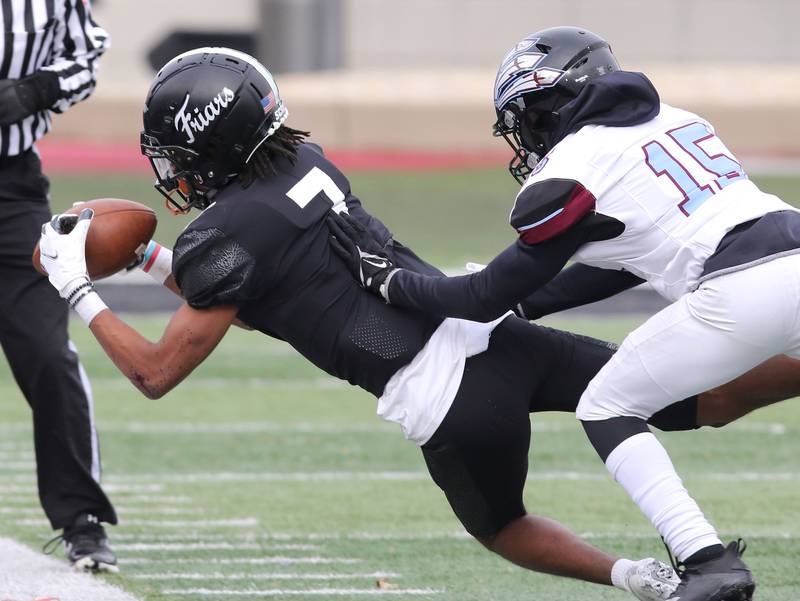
[418,74]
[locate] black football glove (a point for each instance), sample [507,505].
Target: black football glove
[21,98]
[363,254]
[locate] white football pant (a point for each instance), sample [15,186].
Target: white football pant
[727,326]
[706,338]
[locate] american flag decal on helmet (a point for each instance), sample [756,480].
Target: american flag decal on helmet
[268,102]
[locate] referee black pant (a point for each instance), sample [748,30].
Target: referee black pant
[33,335]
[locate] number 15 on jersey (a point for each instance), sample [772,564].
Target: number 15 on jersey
[685,155]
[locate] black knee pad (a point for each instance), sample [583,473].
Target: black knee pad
[606,435]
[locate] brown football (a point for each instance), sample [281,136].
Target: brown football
[118,228]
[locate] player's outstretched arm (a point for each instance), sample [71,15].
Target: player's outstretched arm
[575,286]
[512,276]
[155,368]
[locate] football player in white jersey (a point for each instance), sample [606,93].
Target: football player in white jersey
[633,190]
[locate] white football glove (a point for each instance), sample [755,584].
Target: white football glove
[63,254]
[63,257]
[651,580]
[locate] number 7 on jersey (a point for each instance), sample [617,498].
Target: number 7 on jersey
[311,184]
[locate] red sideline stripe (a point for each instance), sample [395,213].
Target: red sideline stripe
[93,157]
[579,204]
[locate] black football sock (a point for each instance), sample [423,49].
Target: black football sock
[704,555]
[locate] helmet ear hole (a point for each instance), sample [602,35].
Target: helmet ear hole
[580,63]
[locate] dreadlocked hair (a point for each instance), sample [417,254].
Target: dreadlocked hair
[282,144]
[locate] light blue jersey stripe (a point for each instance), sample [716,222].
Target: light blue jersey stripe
[541,221]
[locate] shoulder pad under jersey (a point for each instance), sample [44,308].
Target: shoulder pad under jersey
[212,269]
[548,207]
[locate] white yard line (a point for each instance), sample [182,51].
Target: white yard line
[271,384]
[28,574]
[146,500]
[206,592]
[17,466]
[254,561]
[19,489]
[123,511]
[11,445]
[183,537]
[394,537]
[232,523]
[751,427]
[260,576]
[135,489]
[396,476]
[211,546]
[271,537]
[18,500]
[254,427]
[27,483]
[17,455]
[378,427]
[20,510]
[413,476]
[216,477]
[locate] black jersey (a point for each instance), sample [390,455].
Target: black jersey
[265,248]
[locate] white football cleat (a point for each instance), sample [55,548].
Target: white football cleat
[651,580]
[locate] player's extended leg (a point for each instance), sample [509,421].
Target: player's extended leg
[729,325]
[33,334]
[479,458]
[49,376]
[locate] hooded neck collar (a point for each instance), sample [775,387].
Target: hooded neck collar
[619,99]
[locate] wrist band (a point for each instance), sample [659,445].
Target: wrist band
[157,261]
[88,305]
[73,293]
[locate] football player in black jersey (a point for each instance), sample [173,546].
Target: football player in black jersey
[258,254]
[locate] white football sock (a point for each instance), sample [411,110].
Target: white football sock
[643,468]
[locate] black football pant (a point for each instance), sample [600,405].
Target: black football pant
[33,336]
[479,454]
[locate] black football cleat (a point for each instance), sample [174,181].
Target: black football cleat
[724,578]
[87,546]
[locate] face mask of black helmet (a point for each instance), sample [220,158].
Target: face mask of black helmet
[207,111]
[542,73]
[172,183]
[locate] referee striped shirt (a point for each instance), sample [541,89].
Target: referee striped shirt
[52,35]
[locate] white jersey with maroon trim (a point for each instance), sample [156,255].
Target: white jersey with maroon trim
[672,183]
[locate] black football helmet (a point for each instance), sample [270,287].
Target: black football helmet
[206,113]
[538,76]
